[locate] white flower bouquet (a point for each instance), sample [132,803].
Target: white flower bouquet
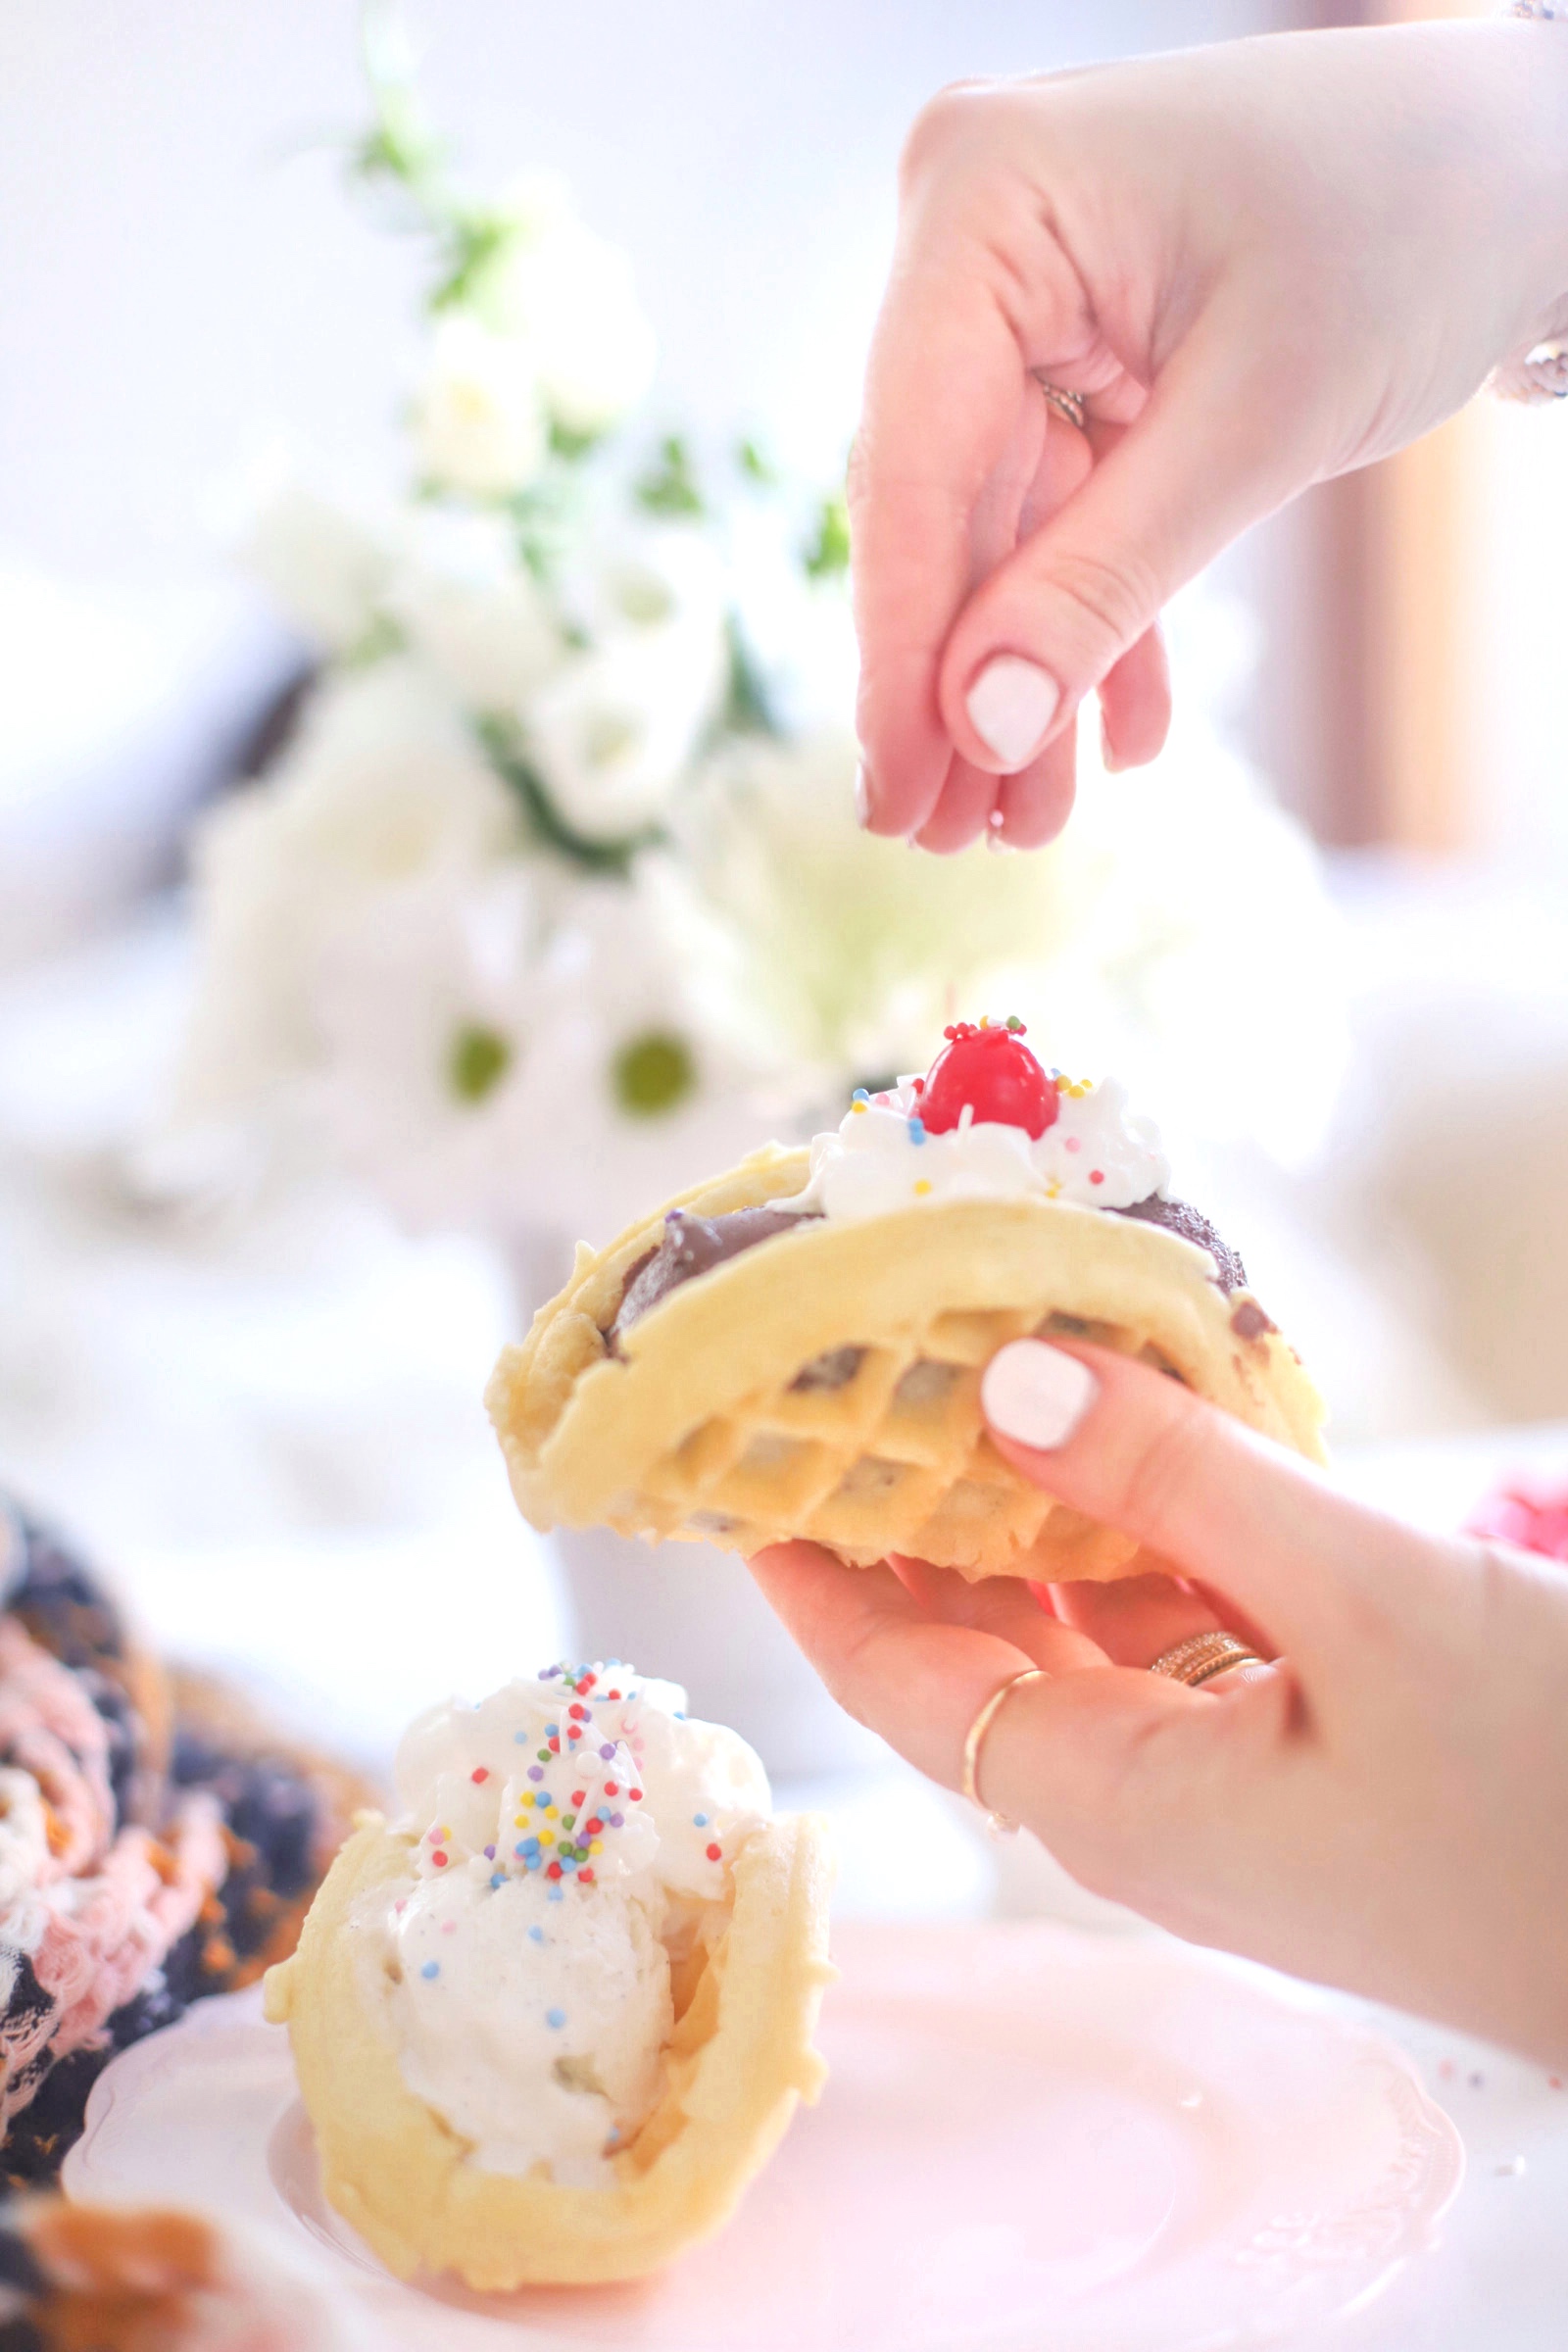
[555,901]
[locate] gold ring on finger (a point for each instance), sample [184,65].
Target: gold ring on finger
[1201,1657]
[975,1739]
[1070,406]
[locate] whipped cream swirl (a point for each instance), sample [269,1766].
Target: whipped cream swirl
[1097,1154]
[570,1840]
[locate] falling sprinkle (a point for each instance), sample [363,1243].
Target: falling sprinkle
[700,1820]
[536,1934]
[715,1853]
[479,1775]
[555,2019]
[431,1967]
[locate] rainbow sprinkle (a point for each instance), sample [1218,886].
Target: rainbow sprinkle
[560,1841]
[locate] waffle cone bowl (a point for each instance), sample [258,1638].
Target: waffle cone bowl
[738,2061]
[826,1383]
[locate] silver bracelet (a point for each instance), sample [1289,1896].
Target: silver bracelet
[1540,373]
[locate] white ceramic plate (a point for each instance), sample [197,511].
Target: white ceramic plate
[1031,2136]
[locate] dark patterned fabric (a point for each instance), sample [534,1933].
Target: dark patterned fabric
[276,1826]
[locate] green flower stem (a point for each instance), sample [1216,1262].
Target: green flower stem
[545,821]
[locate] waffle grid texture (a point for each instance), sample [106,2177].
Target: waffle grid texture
[826,1383]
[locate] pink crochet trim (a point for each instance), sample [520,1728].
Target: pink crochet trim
[107,1934]
[50,1728]
[113,1905]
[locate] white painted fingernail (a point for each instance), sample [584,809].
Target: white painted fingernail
[1010,705]
[862,796]
[1035,1393]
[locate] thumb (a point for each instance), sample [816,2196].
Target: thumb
[1210,454]
[1139,1451]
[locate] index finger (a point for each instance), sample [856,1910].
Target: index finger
[943,389]
[918,1680]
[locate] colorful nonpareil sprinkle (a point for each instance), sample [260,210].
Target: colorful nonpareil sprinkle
[572,1839]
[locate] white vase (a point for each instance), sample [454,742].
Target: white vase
[693,1614]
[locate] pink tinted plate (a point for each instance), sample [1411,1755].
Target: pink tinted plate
[1031,2136]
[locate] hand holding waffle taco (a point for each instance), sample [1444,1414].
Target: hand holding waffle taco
[984,1402]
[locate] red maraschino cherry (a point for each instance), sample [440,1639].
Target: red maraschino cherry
[994,1073]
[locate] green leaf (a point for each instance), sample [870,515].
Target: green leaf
[670,486]
[545,821]
[754,464]
[747,708]
[828,554]
[473,241]
[565,441]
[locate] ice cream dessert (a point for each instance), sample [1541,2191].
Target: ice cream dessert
[796,1348]
[550,2021]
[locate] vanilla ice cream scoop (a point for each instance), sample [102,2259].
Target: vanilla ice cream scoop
[568,1838]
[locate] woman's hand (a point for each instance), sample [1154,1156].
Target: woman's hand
[1385,1809]
[1261,264]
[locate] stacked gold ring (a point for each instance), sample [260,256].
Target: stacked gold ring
[1201,1657]
[1070,406]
